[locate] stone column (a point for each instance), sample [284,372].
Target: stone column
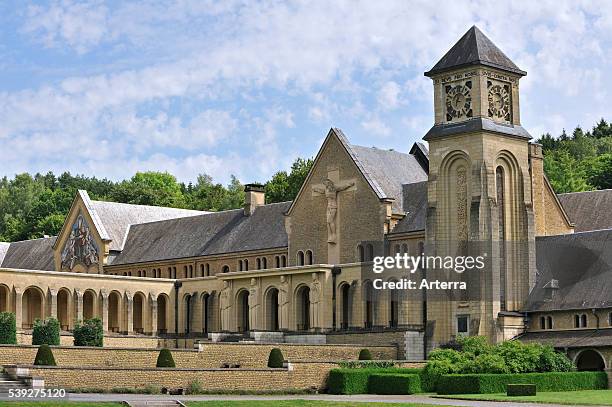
[78,296]
[53,303]
[129,302]
[104,310]
[381,308]
[19,308]
[357,304]
[153,302]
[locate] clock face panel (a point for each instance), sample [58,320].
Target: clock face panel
[499,101]
[458,101]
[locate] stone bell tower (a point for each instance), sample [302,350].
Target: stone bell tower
[479,191]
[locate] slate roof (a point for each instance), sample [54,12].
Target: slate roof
[582,265]
[571,339]
[207,234]
[36,254]
[588,210]
[476,124]
[415,204]
[116,217]
[3,249]
[474,48]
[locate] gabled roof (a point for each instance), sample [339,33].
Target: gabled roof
[582,265]
[3,249]
[415,205]
[384,170]
[207,234]
[474,48]
[35,254]
[590,210]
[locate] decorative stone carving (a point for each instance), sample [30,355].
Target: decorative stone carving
[254,304]
[315,301]
[331,189]
[462,205]
[80,246]
[225,304]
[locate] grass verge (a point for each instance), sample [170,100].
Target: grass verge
[572,398]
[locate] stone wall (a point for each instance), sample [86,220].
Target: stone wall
[124,341]
[211,356]
[369,339]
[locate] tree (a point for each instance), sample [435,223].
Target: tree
[46,332]
[44,356]
[285,187]
[150,188]
[8,328]
[599,172]
[564,173]
[89,333]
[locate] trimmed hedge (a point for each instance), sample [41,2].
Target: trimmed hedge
[46,332]
[514,390]
[496,383]
[392,383]
[276,358]
[8,329]
[44,356]
[355,381]
[89,333]
[165,358]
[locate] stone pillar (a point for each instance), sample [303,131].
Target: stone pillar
[197,313]
[78,297]
[381,308]
[153,302]
[19,308]
[104,310]
[357,304]
[129,314]
[53,303]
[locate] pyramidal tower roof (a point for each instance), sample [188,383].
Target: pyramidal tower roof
[474,48]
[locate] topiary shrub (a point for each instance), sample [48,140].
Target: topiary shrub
[44,356]
[364,354]
[392,383]
[8,328]
[276,358]
[46,332]
[355,381]
[89,333]
[165,358]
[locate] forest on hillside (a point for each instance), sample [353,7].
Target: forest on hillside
[32,206]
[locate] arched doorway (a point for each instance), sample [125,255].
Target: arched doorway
[114,312]
[368,301]
[4,298]
[345,309]
[590,360]
[32,307]
[162,306]
[393,308]
[272,323]
[302,309]
[188,313]
[206,312]
[242,315]
[63,309]
[89,304]
[139,316]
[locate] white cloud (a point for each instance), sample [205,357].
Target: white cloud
[376,127]
[389,95]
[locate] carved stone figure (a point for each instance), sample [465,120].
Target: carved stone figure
[225,303]
[283,303]
[330,190]
[315,300]
[254,304]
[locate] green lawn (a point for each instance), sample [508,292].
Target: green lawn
[54,404]
[583,397]
[295,403]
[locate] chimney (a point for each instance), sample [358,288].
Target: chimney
[550,289]
[254,196]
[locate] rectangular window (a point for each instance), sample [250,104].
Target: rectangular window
[463,322]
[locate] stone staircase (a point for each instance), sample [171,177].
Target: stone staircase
[7,383]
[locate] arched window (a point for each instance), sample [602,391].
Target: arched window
[190,271]
[225,269]
[542,322]
[397,249]
[246,265]
[264,262]
[207,269]
[404,248]
[501,221]
[576,321]
[369,252]
[300,258]
[277,261]
[583,321]
[201,270]
[309,257]
[284,260]
[361,253]
[549,322]
[240,265]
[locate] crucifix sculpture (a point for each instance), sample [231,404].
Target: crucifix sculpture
[331,189]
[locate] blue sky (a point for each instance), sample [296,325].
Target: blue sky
[232,87]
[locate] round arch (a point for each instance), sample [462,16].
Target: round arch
[115,307]
[5,295]
[89,304]
[302,307]
[242,310]
[64,305]
[271,309]
[32,306]
[590,360]
[346,304]
[138,316]
[162,313]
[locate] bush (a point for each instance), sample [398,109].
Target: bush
[364,354]
[276,358]
[392,383]
[496,383]
[521,390]
[553,361]
[8,328]
[44,356]
[89,333]
[165,358]
[433,371]
[195,387]
[46,332]
[487,363]
[355,381]
[520,357]
[476,345]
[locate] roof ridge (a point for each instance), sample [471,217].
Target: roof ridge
[146,206]
[31,240]
[582,192]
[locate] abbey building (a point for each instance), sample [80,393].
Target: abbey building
[293,271]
